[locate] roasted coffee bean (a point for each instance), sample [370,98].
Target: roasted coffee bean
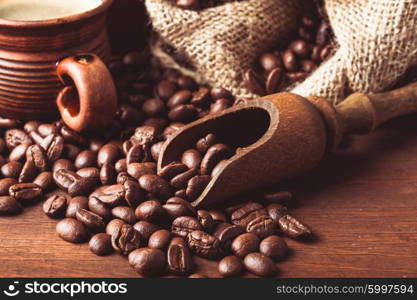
[183,113]
[274,81]
[72,230]
[160,239]
[109,153]
[90,173]
[172,169]
[64,178]
[70,152]
[15,137]
[82,186]
[145,229]
[36,137]
[220,104]
[289,60]
[72,137]
[91,220]
[25,192]
[188,4]
[120,165]
[259,264]
[156,150]
[196,186]
[99,208]
[155,185]
[301,48]
[114,226]
[47,129]
[44,180]
[63,164]
[5,184]
[125,240]
[180,193]
[274,246]
[227,233]
[135,154]
[153,107]
[294,77]
[281,197]
[123,177]
[130,115]
[206,220]
[244,244]
[172,129]
[86,159]
[37,155]
[247,213]
[262,226]
[177,207]
[183,225]
[165,89]
[9,206]
[230,266]
[145,135]
[214,155]
[191,158]
[96,144]
[19,152]
[276,211]
[201,98]
[179,258]
[180,97]
[293,228]
[217,215]
[55,206]
[110,195]
[53,146]
[206,142]
[137,170]
[124,213]
[29,172]
[253,82]
[220,92]
[100,244]
[270,61]
[203,244]
[108,174]
[180,181]
[31,126]
[75,204]
[147,262]
[151,211]
[11,169]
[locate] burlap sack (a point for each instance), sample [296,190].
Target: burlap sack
[376,41]
[221,41]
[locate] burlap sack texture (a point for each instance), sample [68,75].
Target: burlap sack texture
[377,43]
[375,40]
[221,41]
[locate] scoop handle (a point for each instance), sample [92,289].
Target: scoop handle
[361,113]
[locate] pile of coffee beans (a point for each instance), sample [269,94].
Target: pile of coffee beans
[200,4]
[105,188]
[282,67]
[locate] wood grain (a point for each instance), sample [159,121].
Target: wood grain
[361,203]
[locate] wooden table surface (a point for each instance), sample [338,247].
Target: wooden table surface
[361,203]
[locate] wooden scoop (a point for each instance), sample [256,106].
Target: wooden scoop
[282,135]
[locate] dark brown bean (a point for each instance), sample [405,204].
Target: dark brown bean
[135,154]
[293,228]
[19,152]
[55,206]
[99,208]
[47,129]
[15,137]
[74,204]
[220,104]
[203,244]
[31,126]
[29,172]
[153,107]
[165,89]
[85,159]
[37,155]
[125,240]
[226,233]
[262,226]
[196,186]
[137,170]
[276,211]
[63,164]
[183,225]
[274,246]
[5,184]
[183,113]
[259,264]
[72,230]
[151,211]
[70,151]
[206,142]
[114,226]
[54,146]
[108,174]
[145,229]
[172,169]
[179,257]
[244,244]
[270,61]
[124,213]
[247,213]
[213,156]
[109,153]
[180,97]
[191,158]
[290,60]
[9,206]
[201,97]
[230,266]
[206,220]
[253,82]
[72,137]
[156,150]
[155,185]
[160,239]
[274,81]
[100,244]
[217,215]
[180,181]
[147,262]
[11,169]
[25,192]
[110,195]
[177,207]
[44,180]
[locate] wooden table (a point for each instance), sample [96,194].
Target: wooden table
[361,203]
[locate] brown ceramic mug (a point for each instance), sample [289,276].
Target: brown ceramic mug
[53,53]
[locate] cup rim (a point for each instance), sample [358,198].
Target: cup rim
[58,21]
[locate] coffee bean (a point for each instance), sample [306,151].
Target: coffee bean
[172,169]
[19,152]
[180,97]
[54,146]
[90,219]
[274,81]
[180,181]
[220,104]
[25,192]
[147,262]
[9,206]
[276,211]
[110,195]
[99,208]
[72,137]
[290,60]
[201,98]
[114,226]
[155,185]
[165,89]
[262,226]
[244,244]
[70,151]
[293,228]
[230,266]
[280,197]
[183,113]
[270,61]
[44,180]
[206,142]
[217,215]
[156,150]
[176,207]
[96,144]
[183,225]
[55,206]
[125,213]
[226,233]
[326,52]
[145,229]
[179,257]
[91,172]
[191,158]
[145,135]
[196,186]
[294,77]
[253,82]
[137,170]
[63,164]
[135,154]
[203,244]
[247,213]
[153,107]
[301,48]
[107,174]
[120,165]
[151,211]
[47,129]
[31,126]
[64,178]
[82,186]
[29,172]
[5,184]
[109,153]
[172,129]
[37,138]
[188,4]
[259,264]
[15,137]
[75,204]
[160,239]
[206,220]
[85,159]
[72,230]
[125,240]
[274,246]
[214,155]
[11,169]
[37,155]
[100,244]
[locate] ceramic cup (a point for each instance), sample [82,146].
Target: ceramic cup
[53,55]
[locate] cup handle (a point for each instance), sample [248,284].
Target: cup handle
[89,99]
